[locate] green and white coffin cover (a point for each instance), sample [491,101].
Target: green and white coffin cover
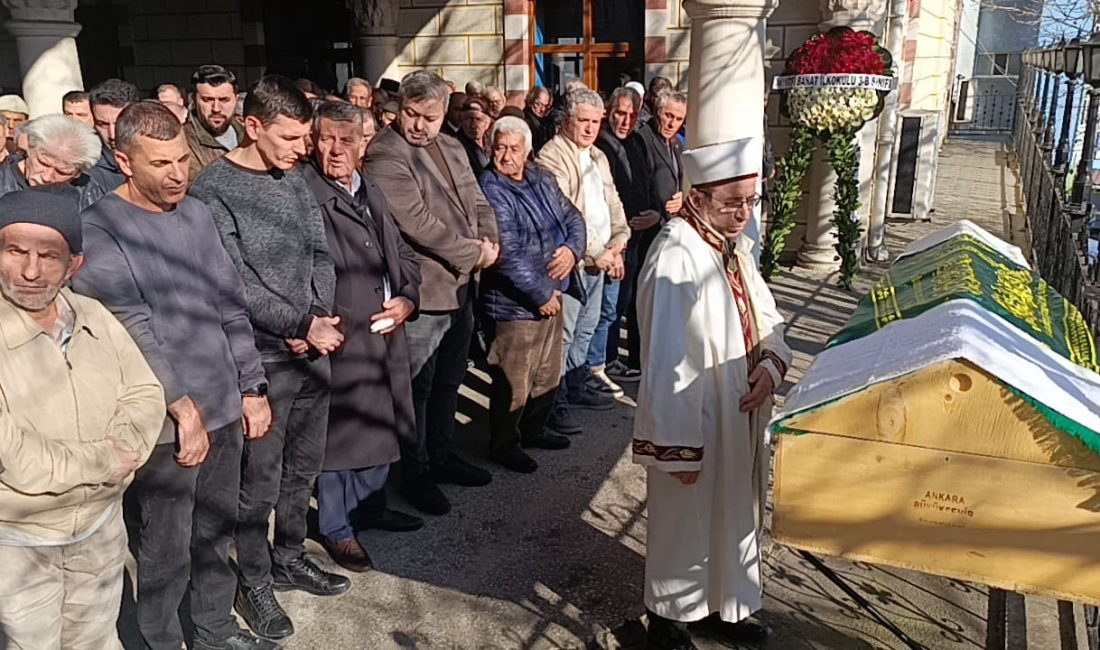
[961,293]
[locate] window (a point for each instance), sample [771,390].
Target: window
[591,40]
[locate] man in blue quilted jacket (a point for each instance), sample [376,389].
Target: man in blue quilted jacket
[542,236]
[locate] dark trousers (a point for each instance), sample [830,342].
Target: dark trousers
[628,307]
[345,496]
[278,470]
[187,521]
[525,366]
[438,347]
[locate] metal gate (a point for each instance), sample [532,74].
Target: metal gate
[984,106]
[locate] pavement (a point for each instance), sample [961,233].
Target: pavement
[555,559]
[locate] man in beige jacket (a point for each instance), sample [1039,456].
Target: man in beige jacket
[582,171]
[80,410]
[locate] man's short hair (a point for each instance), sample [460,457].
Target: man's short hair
[658,85]
[212,75]
[173,87]
[311,87]
[56,133]
[534,93]
[150,119]
[621,92]
[114,92]
[274,95]
[336,110]
[422,84]
[74,97]
[357,81]
[664,98]
[582,97]
[510,124]
[474,87]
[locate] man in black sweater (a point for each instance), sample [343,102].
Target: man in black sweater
[156,261]
[272,229]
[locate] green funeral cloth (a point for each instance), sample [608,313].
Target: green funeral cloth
[965,267]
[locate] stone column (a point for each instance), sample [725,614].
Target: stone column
[376,43]
[819,243]
[726,74]
[45,37]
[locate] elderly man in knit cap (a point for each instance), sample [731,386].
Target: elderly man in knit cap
[80,410]
[712,355]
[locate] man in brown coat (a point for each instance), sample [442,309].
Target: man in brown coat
[212,130]
[444,216]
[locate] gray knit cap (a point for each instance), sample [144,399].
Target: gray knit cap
[50,206]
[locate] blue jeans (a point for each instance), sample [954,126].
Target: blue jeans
[580,326]
[606,338]
[343,495]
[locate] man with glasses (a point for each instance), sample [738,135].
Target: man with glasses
[712,355]
[535,112]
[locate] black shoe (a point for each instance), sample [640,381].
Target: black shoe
[713,628]
[391,520]
[515,460]
[587,398]
[561,420]
[261,612]
[240,641]
[665,634]
[459,472]
[424,495]
[547,440]
[303,575]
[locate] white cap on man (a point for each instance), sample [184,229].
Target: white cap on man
[721,162]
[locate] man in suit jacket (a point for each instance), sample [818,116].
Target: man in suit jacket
[663,166]
[377,278]
[445,218]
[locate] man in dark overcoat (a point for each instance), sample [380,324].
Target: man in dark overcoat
[377,291]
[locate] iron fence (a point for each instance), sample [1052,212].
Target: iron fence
[985,105]
[1059,217]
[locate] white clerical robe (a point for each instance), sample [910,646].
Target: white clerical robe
[703,547]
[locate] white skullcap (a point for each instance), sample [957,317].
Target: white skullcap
[14,104]
[724,161]
[636,87]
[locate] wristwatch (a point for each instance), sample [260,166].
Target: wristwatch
[260,390]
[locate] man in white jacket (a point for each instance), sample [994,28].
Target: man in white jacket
[712,354]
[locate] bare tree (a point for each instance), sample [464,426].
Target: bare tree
[1056,18]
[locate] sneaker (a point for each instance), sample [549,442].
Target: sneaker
[587,398]
[561,420]
[303,575]
[424,495]
[546,440]
[242,640]
[621,372]
[459,472]
[261,612]
[515,460]
[599,381]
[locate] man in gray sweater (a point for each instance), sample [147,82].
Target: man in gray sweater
[156,261]
[272,229]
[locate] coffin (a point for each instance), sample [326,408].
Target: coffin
[951,427]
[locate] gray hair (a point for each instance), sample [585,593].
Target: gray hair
[422,84]
[59,133]
[573,84]
[582,97]
[512,125]
[664,98]
[623,91]
[474,87]
[336,111]
[358,81]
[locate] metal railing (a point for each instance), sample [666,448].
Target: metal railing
[1059,218]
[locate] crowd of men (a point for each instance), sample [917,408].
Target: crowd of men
[297,282]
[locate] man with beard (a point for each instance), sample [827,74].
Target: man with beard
[108,98]
[444,216]
[272,229]
[212,130]
[713,354]
[156,261]
[377,290]
[75,104]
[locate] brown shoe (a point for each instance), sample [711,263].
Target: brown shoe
[350,554]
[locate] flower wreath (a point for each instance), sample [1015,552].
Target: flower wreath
[833,84]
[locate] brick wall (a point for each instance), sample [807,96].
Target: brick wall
[461,40]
